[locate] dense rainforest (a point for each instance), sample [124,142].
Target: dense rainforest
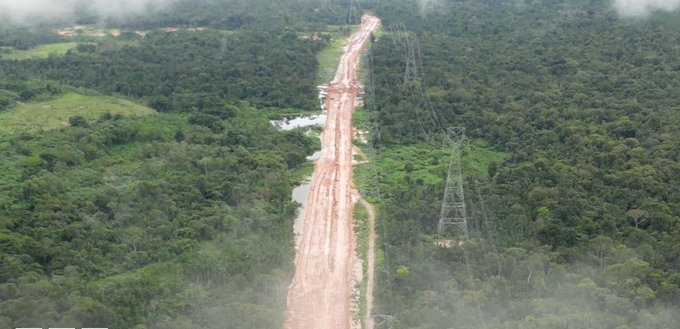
[173,70]
[176,219]
[181,217]
[575,221]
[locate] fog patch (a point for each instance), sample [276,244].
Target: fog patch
[28,11]
[428,6]
[642,8]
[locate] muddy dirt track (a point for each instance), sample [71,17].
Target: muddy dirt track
[321,292]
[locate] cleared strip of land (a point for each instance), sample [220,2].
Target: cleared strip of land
[321,291]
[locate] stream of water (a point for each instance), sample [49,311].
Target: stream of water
[300,192]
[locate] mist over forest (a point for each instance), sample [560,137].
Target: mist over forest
[29,12]
[645,7]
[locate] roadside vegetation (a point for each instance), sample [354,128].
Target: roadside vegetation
[572,200]
[176,215]
[42,51]
[149,220]
[329,57]
[336,38]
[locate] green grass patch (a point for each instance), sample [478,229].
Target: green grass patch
[42,51]
[360,118]
[478,157]
[54,114]
[302,173]
[421,165]
[329,58]
[287,113]
[341,29]
[379,33]
[363,233]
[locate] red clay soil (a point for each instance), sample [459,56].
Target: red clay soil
[321,292]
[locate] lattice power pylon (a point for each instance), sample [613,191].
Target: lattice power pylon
[453,213]
[412,72]
[353,16]
[383,321]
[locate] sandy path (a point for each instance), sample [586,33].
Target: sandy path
[370,257]
[320,294]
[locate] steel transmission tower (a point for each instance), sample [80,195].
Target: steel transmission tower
[453,211]
[353,16]
[411,74]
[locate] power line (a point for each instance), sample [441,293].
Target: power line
[383,321]
[453,214]
[374,127]
[352,15]
[413,81]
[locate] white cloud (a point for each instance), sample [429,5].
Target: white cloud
[640,8]
[22,10]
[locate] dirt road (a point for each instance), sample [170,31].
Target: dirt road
[370,258]
[321,291]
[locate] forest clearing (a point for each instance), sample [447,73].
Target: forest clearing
[320,295]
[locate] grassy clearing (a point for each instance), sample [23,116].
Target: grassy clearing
[303,173]
[478,157]
[421,165]
[42,51]
[288,113]
[329,57]
[360,118]
[55,113]
[379,33]
[362,232]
